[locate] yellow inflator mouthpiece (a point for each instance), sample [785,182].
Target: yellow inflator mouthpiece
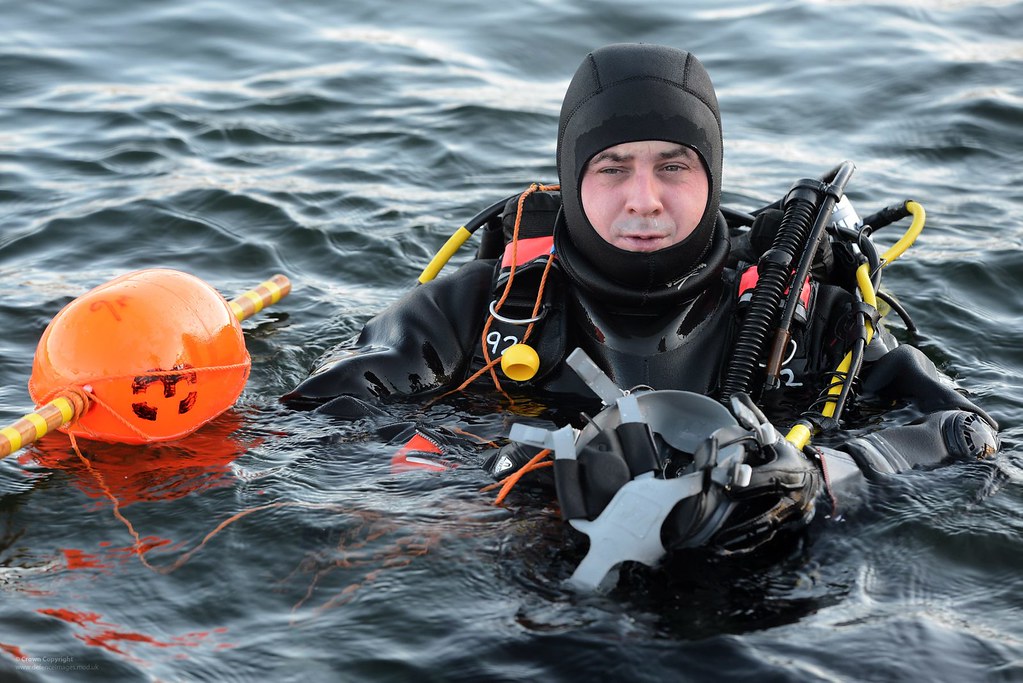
[520,362]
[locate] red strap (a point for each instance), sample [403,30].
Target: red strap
[749,279]
[528,249]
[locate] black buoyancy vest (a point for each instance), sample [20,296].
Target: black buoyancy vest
[683,346]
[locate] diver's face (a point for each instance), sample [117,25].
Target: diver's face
[645,196]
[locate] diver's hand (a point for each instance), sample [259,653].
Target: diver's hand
[906,373]
[513,455]
[778,498]
[508,459]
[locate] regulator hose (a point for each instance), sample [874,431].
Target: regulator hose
[774,270]
[487,216]
[837,179]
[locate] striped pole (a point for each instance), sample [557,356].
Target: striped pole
[67,406]
[255,300]
[57,412]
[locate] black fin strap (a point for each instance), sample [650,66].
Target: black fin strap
[870,312]
[820,422]
[638,447]
[569,490]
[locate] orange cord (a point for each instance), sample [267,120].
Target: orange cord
[490,363]
[89,397]
[140,548]
[406,549]
[509,482]
[137,548]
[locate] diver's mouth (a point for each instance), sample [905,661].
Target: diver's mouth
[642,242]
[643,233]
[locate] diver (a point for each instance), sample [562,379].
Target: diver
[662,298]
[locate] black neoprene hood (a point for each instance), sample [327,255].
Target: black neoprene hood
[628,93]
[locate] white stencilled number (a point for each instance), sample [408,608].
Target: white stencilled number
[494,340]
[787,375]
[789,378]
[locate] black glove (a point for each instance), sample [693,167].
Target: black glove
[906,373]
[778,499]
[512,456]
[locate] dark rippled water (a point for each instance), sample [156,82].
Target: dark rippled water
[340,143]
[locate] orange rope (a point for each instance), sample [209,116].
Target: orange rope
[539,293]
[90,397]
[490,363]
[139,548]
[78,392]
[511,277]
[507,286]
[475,437]
[237,516]
[486,328]
[509,482]
[113,413]
[472,378]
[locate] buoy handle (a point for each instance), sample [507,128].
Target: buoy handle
[32,426]
[265,294]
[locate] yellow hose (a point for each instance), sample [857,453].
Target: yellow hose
[801,432]
[904,243]
[444,254]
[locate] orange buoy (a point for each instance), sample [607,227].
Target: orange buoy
[159,352]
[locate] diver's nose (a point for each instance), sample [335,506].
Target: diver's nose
[644,197]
